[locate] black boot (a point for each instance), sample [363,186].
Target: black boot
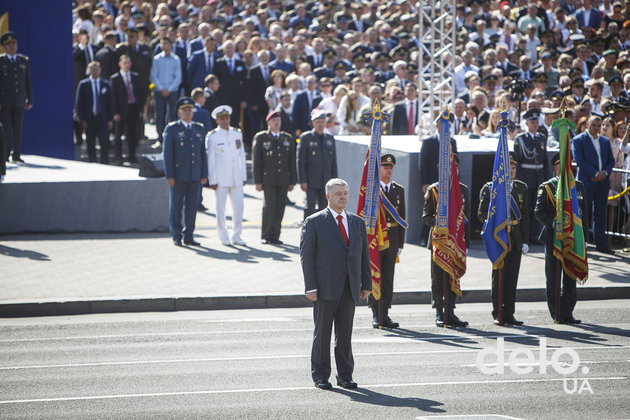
[387,321]
[439,317]
[375,316]
[454,321]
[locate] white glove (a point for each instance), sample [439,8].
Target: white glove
[525,248]
[399,252]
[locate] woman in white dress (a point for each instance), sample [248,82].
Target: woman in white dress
[273,92]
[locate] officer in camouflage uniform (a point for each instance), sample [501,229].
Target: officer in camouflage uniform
[546,213]
[519,235]
[429,213]
[273,167]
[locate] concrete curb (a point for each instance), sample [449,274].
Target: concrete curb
[33,309]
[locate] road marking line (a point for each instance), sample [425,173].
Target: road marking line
[268,357]
[298,388]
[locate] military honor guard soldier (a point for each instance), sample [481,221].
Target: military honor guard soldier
[16,94]
[530,149]
[429,213]
[519,235]
[396,195]
[227,173]
[316,163]
[545,211]
[186,169]
[273,167]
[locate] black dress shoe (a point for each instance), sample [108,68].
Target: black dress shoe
[202,208]
[177,242]
[388,323]
[322,384]
[605,250]
[276,241]
[192,242]
[265,241]
[512,321]
[375,322]
[572,320]
[15,158]
[454,321]
[346,383]
[439,318]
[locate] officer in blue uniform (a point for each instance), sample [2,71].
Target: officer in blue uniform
[16,94]
[186,169]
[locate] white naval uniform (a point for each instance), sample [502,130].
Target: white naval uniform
[228,170]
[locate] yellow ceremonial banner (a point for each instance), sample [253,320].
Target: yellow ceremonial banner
[4,27]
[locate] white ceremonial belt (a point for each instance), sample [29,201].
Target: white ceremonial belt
[531,166]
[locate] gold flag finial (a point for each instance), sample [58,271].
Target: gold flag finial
[504,106]
[563,106]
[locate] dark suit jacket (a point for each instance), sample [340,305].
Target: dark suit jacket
[201,115]
[429,159]
[326,259]
[212,101]
[109,61]
[80,63]
[585,157]
[84,100]
[255,87]
[121,97]
[302,112]
[287,124]
[594,22]
[399,124]
[197,69]
[232,87]
[316,162]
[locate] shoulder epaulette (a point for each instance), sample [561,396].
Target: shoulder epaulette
[197,123]
[172,123]
[23,56]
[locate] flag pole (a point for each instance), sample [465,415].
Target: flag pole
[445,299]
[563,110]
[500,315]
[380,314]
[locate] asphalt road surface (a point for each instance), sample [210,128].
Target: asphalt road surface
[254,364]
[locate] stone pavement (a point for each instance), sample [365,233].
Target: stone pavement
[54,274]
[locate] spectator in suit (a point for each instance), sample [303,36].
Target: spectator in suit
[95,106]
[304,103]
[127,108]
[200,114]
[201,63]
[83,53]
[210,93]
[285,109]
[281,62]
[588,16]
[183,49]
[258,80]
[203,30]
[107,56]
[232,75]
[166,73]
[401,121]
[594,158]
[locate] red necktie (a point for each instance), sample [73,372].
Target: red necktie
[129,92]
[342,229]
[410,118]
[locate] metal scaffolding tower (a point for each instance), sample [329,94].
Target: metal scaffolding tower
[436,61]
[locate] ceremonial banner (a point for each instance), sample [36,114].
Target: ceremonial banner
[449,234]
[569,246]
[370,205]
[495,232]
[4,27]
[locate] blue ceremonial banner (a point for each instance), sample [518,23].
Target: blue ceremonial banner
[495,232]
[444,168]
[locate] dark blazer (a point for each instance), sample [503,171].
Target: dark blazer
[510,68]
[399,124]
[80,63]
[121,97]
[316,159]
[429,159]
[232,87]
[287,124]
[201,115]
[109,61]
[197,68]
[302,112]
[585,157]
[179,48]
[84,100]
[212,100]
[326,259]
[255,87]
[594,22]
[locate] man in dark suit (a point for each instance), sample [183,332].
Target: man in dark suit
[285,113]
[273,169]
[107,56]
[210,93]
[186,170]
[316,163]
[595,161]
[82,53]
[257,82]
[16,94]
[95,107]
[127,108]
[395,193]
[401,124]
[336,265]
[304,103]
[588,16]
[232,75]
[141,61]
[201,63]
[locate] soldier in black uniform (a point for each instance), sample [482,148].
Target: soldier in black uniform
[316,163]
[546,213]
[519,235]
[429,213]
[273,167]
[396,195]
[141,60]
[532,165]
[16,94]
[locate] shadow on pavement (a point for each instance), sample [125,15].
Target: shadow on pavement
[533,336]
[599,329]
[449,340]
[245,254]
[23,253]
[368,396]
